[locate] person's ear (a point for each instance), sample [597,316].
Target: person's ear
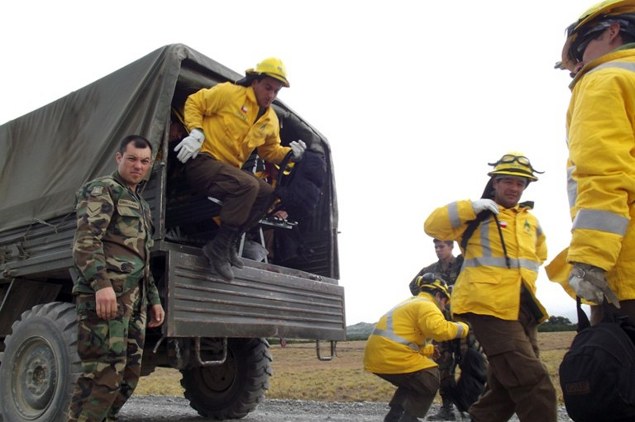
[613,31]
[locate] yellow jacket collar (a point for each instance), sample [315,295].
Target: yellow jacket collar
[625,50]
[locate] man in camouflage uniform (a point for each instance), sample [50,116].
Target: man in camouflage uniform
[114,285]
[447,268]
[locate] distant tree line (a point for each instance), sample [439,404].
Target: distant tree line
[557,323]
[362,330]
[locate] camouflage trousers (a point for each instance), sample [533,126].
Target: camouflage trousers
[447,365]
[111,352]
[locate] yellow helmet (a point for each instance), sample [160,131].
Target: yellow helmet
[433,283]
[273,67]
[595,19]
[514,164]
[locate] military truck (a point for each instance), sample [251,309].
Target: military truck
[215,332]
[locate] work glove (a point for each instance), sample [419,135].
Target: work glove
[190,145]
[484,204]
[298,147]
[589,282]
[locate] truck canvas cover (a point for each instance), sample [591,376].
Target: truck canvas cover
[47,154]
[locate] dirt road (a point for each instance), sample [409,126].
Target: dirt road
[163,409]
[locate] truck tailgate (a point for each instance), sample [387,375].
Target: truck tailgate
[263,300]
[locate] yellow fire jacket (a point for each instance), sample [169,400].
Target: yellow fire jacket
[489,283]
[601,168]
[227,114]
[401,340]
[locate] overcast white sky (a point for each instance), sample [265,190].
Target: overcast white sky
[415,97]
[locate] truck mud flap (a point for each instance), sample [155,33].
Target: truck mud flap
[263,300]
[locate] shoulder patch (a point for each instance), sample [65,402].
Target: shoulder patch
[97,190]
[93,208]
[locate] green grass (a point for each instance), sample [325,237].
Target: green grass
[299,375]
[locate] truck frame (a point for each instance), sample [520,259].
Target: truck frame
[215,332]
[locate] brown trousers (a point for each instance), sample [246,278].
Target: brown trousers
[245,197]
[517,381]
[415,390]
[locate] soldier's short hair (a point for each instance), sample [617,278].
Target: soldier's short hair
[138,140]
[450,243]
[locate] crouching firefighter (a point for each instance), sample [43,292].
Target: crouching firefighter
[400,349]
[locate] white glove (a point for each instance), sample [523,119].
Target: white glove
[484,204]
[589,283]
[190,145]
[298,147]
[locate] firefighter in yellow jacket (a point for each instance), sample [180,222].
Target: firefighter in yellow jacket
[226,123]
[495,293]
[600,54]
[400,350]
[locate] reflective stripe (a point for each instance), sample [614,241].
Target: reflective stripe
[390,334]
[539,231]
[604,221]
[453,212]
[572,187]
[486,246]
[616,65]
[394,337]
[500,262]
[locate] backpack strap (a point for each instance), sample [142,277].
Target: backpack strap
[282,178]
[471,228]
[583,320]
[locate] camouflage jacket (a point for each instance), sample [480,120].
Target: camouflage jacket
[113,239]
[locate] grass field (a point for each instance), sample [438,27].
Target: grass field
[299,375]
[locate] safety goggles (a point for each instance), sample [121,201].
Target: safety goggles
[520,159]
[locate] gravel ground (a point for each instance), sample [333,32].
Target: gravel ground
[160,409]
[163,409]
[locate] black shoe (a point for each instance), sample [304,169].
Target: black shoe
[394,414]
[219,261]
[444,414]
[234,259]
[407,417]
[217,251]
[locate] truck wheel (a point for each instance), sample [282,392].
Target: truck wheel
[231,390]
[40,365]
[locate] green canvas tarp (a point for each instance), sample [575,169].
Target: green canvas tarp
[47,154]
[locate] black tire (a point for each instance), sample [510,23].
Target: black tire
[40,365]
[231,390]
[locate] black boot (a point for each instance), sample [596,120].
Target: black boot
[446,413]
[234,259]
[217,251]
[408,417]
[394,414]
